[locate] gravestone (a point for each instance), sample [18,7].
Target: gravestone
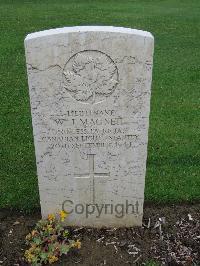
[90,101]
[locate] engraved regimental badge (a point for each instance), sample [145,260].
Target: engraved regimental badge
[90,76]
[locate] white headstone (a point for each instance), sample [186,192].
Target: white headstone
[90,101]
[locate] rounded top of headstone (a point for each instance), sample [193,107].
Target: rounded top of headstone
[110,29]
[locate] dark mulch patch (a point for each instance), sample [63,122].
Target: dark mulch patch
[170,236]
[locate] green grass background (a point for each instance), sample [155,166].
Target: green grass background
[173,167]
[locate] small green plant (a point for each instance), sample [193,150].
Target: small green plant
[49,241]
[151,263]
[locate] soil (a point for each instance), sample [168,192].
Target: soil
[170,235]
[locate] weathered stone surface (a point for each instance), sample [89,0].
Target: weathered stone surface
[90,102]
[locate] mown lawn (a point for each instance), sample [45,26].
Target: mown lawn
[173,170]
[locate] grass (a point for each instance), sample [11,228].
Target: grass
[173,172]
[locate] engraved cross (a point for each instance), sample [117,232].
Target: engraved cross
[92,174]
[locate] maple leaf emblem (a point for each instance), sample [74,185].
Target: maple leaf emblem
[90,76]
